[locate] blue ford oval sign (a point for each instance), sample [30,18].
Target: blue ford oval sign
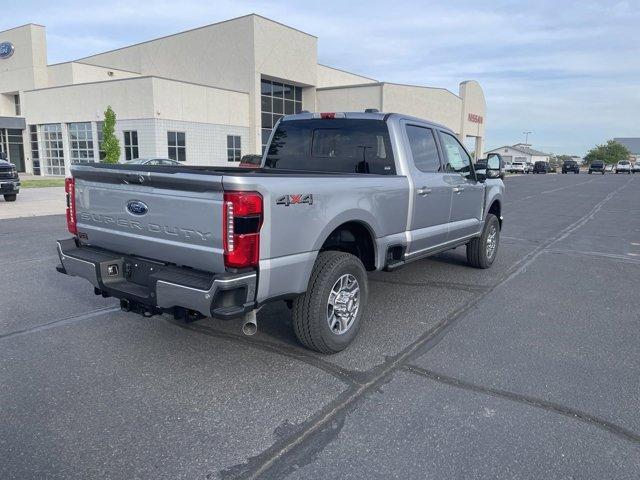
[136,207]
[6,50]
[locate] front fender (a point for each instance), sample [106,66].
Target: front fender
[494,192]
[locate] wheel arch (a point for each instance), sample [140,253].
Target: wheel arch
[495,208]
[352,236]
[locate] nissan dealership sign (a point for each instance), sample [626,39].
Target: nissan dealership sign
[6,50]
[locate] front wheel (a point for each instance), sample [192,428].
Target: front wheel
[327,317]
[10,197]
[481,251]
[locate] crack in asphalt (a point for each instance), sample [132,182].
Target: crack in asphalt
[527,400]
[60,322]
[609,256]
[276,458]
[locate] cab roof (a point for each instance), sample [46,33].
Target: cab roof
[384,116]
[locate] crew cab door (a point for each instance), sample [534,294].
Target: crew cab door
[430,197]
[467,200]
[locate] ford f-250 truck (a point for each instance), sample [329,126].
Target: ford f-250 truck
[336,195]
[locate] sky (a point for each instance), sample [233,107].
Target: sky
[569,72]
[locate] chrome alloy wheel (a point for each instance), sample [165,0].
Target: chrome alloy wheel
[492,241]
[343,304]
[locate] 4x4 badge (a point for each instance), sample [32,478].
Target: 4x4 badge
[294,199]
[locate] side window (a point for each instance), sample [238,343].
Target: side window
[423,148]
[458,159]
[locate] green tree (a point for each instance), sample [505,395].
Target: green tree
[611,152]
[110,143]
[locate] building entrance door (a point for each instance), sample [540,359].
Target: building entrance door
[12,146]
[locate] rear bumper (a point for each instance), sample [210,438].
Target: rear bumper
[155,287]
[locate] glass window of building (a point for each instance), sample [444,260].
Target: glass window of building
[130,144]
[101,154]
[52,150]
[234,148]
[16,101]
[35,153]
[277,99]
[177,146]
[81,142]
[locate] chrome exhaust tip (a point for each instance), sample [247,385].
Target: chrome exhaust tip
[249,328]
[250,324]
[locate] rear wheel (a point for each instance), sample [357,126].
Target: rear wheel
[10,197]
[327,317]
[482,251]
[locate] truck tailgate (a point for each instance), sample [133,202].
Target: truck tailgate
[169,217]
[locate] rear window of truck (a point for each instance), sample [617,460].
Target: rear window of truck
[337,145]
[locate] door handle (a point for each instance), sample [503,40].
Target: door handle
[458,189]
[423,191]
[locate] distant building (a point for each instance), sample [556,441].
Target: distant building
[632,144]
[206,96]
[521,152]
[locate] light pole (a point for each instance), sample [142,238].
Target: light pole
[526,138]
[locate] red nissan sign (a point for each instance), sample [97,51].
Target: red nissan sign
[475,118]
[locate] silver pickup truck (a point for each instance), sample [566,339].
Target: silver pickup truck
[336,195]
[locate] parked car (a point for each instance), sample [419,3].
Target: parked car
[609,168]
[623,166]
[167,162]
[597,166]
[9,181]
[541,167]
[636,166]
[529,167]
[250,161]
[518,167]
[570,166]
[372,191]
[552,167]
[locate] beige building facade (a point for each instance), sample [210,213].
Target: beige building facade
[205,96]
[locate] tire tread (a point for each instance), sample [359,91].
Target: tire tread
[303,313]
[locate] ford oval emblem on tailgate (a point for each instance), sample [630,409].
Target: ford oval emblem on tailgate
[136,207]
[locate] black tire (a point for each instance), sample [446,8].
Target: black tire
[310,309]
[477,248]
[10,197]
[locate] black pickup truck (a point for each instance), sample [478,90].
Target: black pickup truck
[9,181]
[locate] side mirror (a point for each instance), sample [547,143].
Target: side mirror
[494,167]
[481,169]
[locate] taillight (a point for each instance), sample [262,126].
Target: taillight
[70,189]
[241,229]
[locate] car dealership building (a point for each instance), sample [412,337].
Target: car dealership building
[205,96]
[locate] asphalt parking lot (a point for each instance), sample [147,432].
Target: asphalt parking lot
[527,370]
